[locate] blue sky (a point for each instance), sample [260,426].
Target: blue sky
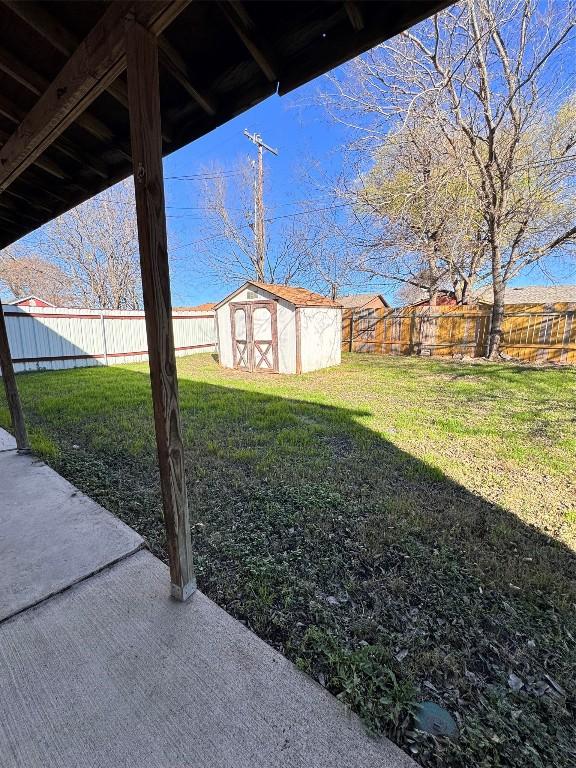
[302,132]
[295,126]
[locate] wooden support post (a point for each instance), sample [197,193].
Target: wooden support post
[146,140]
[12,395]
[351,339]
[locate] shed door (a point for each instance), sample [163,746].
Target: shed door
[264,336]
[254,336]
[240,348]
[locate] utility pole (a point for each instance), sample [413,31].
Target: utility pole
[259,236]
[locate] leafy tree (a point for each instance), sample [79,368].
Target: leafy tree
[490,78]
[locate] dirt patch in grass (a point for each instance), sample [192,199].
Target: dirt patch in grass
[402,529]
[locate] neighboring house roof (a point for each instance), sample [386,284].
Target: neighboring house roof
[443,296]
[207,307]
[532,294]
[299,297]
[27,299]
[359,300]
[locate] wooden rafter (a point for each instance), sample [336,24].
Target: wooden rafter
[16,115]
[242,23]
[44,23]
[27,201]
[355,15]
[44,163]
[95,64]
[37,84]
[7,204]
[176,66]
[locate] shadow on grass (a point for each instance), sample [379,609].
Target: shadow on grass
[371,570]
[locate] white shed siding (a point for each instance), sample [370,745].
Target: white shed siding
[286,329]
[224,336]
[286,337]
[321,329]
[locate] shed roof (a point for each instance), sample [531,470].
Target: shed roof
[299,297]
[65,129]
[532,294]
[359,300]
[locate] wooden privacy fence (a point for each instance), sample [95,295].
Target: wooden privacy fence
[53,338]
[531,332]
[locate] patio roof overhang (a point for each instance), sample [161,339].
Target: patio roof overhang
[92,92]
[217,59]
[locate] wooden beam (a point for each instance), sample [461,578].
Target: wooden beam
[7,204]
[355,15]
[48,27]
[15,114]
[28,201]
[340,45]
[146,140]
[47,165]
[86,160]
[95,64]
[245,28]
[12,394]
[176,66]
[37,84]
[41,20]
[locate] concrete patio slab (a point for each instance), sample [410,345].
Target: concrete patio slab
[7,442]
[51,535]
[113,672]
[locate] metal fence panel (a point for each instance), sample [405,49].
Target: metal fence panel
[47,338]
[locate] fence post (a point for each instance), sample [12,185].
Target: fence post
[350,347]
[12,394]
[543,354]
[567,334]
[488,332]
[104,345]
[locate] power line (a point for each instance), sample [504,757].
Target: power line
[267,220]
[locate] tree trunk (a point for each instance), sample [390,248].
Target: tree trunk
[496,319]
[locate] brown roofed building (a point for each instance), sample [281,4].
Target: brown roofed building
[364,301]
[532,294]
[207,307]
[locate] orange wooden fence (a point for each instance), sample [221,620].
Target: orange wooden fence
[531,332]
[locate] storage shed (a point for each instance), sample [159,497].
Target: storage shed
[278,329]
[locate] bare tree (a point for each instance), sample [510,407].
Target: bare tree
[96,246]
[231,250]
[487,75]
[24,274]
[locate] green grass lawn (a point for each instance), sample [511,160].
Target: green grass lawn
[402,529]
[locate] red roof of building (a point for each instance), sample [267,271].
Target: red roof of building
[207,307]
